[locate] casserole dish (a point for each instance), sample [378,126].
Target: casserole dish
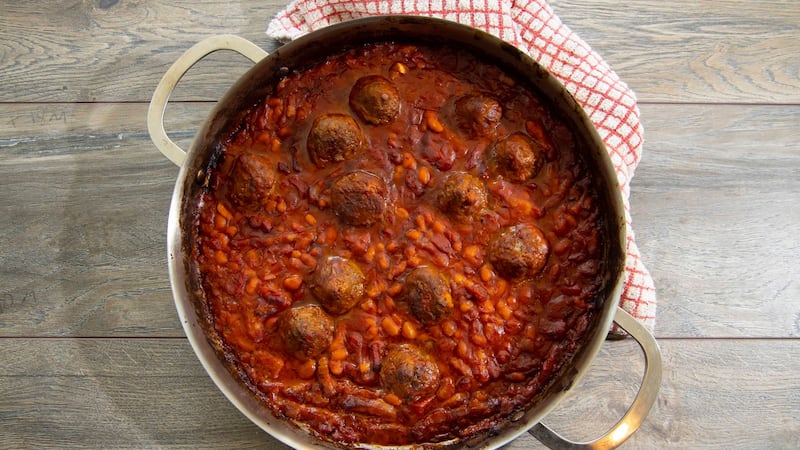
[261,82]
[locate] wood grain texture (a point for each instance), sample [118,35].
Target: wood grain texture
[679,51]
[715,205]
[68,50]
[87,202]
[689,51]
[61,393]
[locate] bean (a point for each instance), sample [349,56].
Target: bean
[224,240]
[308,260]
[399,68]
[392,399]
[413,234]
[221,257]
[398,269]
[275,145]
[223,211]
[486,272]
[364,367]
[420,221]
[409,331]
[487,307]
[409,162]
[398,174]
[390,326]
[446,389]
[395,289]
[339,354]
[368,305]
[336,367]
[251,286]
[383,261]
[463,350]
[292,282]
[424,175]
[375,289]
[220,222]
[401,213]
[562,246]
[331,234]
[307,369]
[462,367]
[478,339]
[503,309]
[471,253]
[432,122]
[449,328]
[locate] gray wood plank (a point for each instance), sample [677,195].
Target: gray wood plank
[716,211]
[689,51]
[134,393]
[680,51]
[714,208]
[87,198]
[117,51]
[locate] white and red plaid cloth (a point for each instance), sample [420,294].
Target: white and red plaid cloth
[532,26]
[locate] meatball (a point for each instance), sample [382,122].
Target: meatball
[251,180]
[427,294]
[306,331]
[517,157]
[518,251]
[359,198]
[337,284]
[462,196]
[375,99]
[478,115]
[408,372]
[333,138]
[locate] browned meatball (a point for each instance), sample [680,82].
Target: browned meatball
[428,295]
[462,196]
[375,99]
[333,138]
[478,115]
[408,372]
[359,198]
[251,180]
[337,284]
[518,251]
[517,157]
[306,331]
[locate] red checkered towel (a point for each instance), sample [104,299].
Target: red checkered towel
[532,26]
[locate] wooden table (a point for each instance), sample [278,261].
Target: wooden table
[91,350]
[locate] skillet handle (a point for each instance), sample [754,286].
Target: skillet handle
[158,104]
[644,400]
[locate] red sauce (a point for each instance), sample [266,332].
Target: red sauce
[488,327]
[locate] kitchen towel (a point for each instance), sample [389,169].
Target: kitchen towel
[533,27]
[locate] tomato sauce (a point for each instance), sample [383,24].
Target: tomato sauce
[308,279]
